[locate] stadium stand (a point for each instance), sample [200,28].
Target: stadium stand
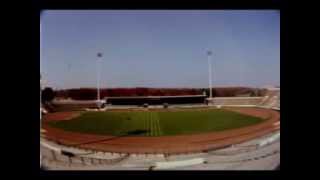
[54,156]
[236,101]
[73,105]
[154,100]
[232,158]
[175,164]
[271,99]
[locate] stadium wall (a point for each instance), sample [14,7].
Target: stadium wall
[156,100]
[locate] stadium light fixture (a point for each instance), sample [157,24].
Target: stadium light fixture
[209,53]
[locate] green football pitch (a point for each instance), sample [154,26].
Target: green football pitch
[156,123]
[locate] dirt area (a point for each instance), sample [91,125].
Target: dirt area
[165,144]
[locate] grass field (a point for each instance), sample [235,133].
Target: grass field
[156,123]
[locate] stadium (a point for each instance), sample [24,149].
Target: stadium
[128,90]
[188,132]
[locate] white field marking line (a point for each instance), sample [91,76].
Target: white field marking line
[145,122]
[158,124]
[149,123]
[146,117]
[153,124]
[154,117]
[139,120]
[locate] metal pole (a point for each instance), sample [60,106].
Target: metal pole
[210,74]
[98,78]
[40,95]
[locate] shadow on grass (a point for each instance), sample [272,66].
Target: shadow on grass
[137,132]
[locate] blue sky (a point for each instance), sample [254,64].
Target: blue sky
[160,48]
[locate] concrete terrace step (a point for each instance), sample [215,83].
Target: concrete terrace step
[175,164]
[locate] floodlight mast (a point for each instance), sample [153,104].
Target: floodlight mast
[209,53]
[98,78]
[40,93]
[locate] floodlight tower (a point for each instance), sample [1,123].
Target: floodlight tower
[40,92]
[99,55]
[209,53]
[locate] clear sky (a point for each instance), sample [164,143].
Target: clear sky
[158,48]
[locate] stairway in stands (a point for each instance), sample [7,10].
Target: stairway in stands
[271,99]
